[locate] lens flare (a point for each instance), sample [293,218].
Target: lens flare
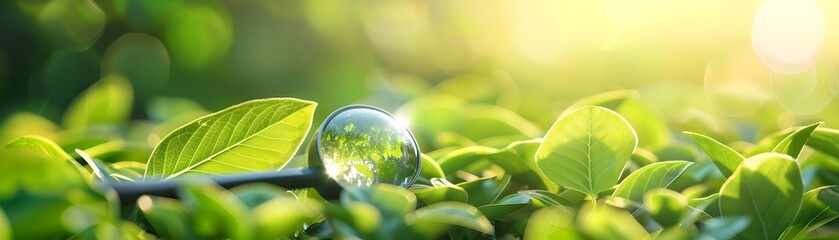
[788,34]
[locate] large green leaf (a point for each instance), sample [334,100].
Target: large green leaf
[825,140]
[768,189]
[814,213]
[726,159]
[656,175]
[792,144]
[252,136]
[107,102]
[587,149]
[46,147]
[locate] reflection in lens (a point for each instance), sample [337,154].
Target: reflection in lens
[362,146]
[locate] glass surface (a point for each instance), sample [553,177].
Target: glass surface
[363,146]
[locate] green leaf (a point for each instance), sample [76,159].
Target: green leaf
[106,102]
[546,198]
[46,147]
[768,189]
[5,229]
[785,141]
[652,130]
[826,141]
[434,219]
[484,121]
[430,115]
[698,205]
[255,194]
[656,175]
[665,206]
[607,222]
[793,143]
[506,205]
[127,170]
[516,159]
[726,159]
[99,169]
[442,190]
[723,229]
[282,217]
[167,217]
[252,136]
[357,219]
[215,212]
[643,157]
[587,149]
[388,199]
[813,214]
[485,190]
[36,191]
[24,123]
[554,222]
[430,168]
[830,196]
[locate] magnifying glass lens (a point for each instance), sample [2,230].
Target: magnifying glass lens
[361,146]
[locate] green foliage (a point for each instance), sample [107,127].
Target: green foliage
[108,101]
[767,188]
[726,159]
[274,131]
[656,175]
[587,149]
[608,168]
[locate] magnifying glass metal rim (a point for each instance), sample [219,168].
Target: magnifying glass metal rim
[318,160]
[312,176]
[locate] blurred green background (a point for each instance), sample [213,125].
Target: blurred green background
[768,63]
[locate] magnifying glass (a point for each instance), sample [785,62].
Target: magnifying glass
[356,146]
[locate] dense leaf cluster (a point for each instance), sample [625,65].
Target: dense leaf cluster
[606,169]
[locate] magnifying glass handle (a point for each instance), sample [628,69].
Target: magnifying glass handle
[289,179]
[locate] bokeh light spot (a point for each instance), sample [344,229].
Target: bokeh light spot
[146,14]
[787,34]
[396,29]
[737,84]
[72,24]
[549,32]
[199,34]
[142,59]
[808,92]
